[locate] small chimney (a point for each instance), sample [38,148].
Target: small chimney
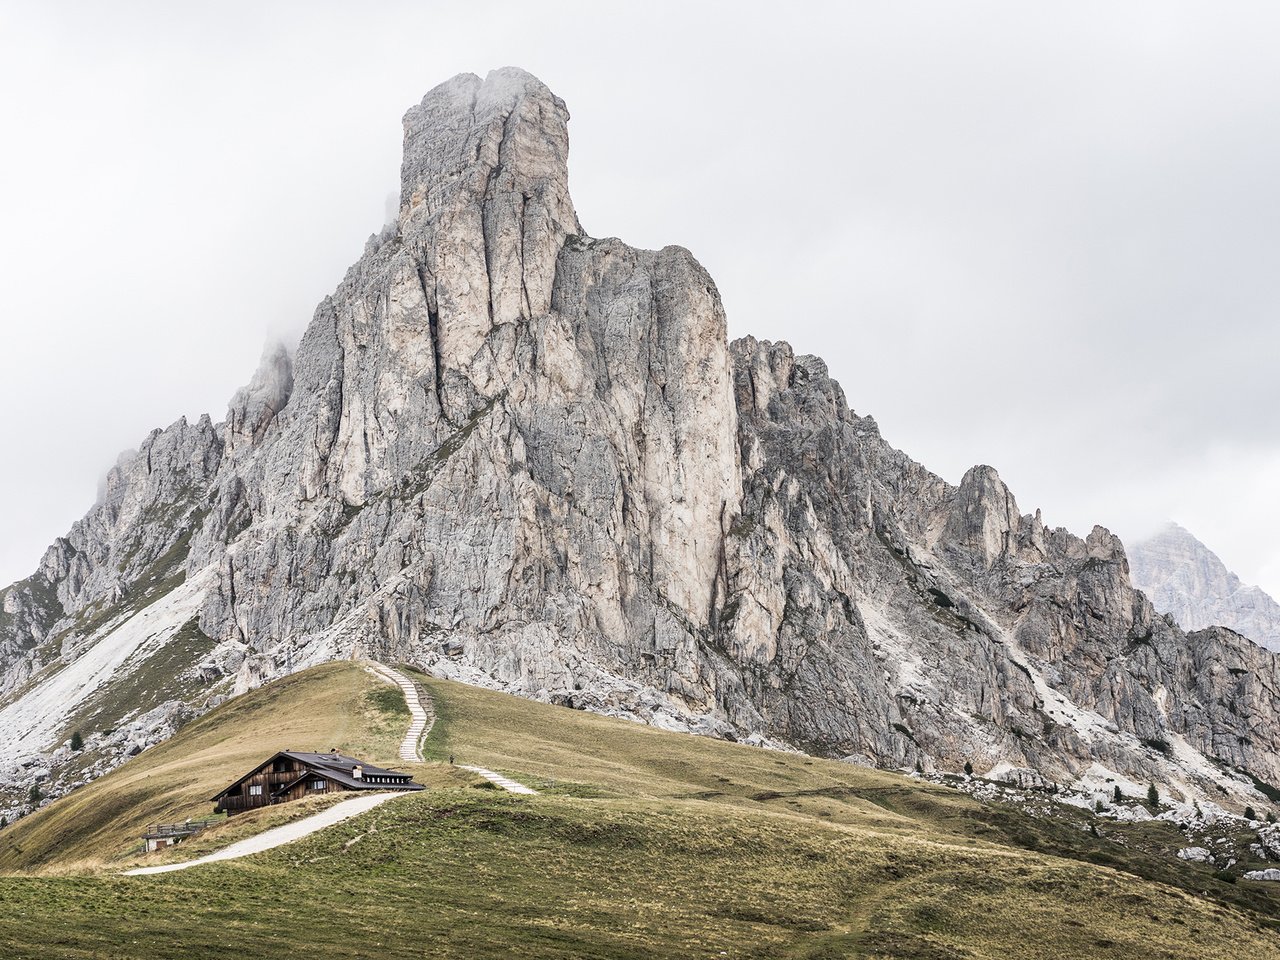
[357,772]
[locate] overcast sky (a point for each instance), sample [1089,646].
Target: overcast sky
[1040,236]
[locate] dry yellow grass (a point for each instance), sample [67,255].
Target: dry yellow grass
[571,752]
[102,822]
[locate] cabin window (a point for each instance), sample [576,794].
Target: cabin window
[317,784]
[255,790]
[281,765]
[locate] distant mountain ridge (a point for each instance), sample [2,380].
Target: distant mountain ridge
[1185,578]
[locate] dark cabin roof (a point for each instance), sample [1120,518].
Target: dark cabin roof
[335,767]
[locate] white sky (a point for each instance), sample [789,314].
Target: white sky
[1044,237]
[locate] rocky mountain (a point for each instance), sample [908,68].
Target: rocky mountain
[1185,578]
[518,455]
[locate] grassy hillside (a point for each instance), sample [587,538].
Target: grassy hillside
[643,844]
[337,705]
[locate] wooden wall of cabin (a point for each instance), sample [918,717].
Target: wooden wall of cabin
[271,777]
[304,789]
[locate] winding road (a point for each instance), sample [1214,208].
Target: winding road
[497,779]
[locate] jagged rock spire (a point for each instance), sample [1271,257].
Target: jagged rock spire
[256,405]
[984,514]
[484,201]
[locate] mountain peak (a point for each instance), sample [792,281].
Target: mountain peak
[505,134]
[484,201]
[1185,578]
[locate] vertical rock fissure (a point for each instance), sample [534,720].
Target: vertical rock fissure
[524,284]
[430,301]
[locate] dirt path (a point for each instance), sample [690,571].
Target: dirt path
[506,783]
[279,836]
[424,718]
[423,715]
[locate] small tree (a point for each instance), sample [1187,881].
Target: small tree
[1098,806]
[4,821]
[1271,817]
[1153,796]
[919,767]
[1093,829]
[968,769]
[1249,814]
[77,742]
[34,796]
[1116,795]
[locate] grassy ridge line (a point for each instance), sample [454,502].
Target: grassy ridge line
[567,752]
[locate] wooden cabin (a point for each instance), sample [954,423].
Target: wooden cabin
[292,775]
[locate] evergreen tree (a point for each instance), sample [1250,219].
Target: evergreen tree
[34,796]
[4,821]
[1117,795]
[1271,817]
[968,768]
[1153,796]
[1249,814]
[77,742]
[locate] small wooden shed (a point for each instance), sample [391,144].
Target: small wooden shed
[161,835]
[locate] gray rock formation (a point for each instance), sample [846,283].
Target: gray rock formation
[528,458]
[1271,873]
[1185,578]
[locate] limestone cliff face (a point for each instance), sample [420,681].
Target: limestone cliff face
[882,613]
[1185,578]
[524,457]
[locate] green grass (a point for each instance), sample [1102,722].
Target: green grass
[643,844]
[390,701]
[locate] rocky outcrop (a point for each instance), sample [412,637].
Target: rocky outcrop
[524,457]
[1185,578]
[255,406]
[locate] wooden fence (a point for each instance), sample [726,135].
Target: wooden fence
[162,831]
